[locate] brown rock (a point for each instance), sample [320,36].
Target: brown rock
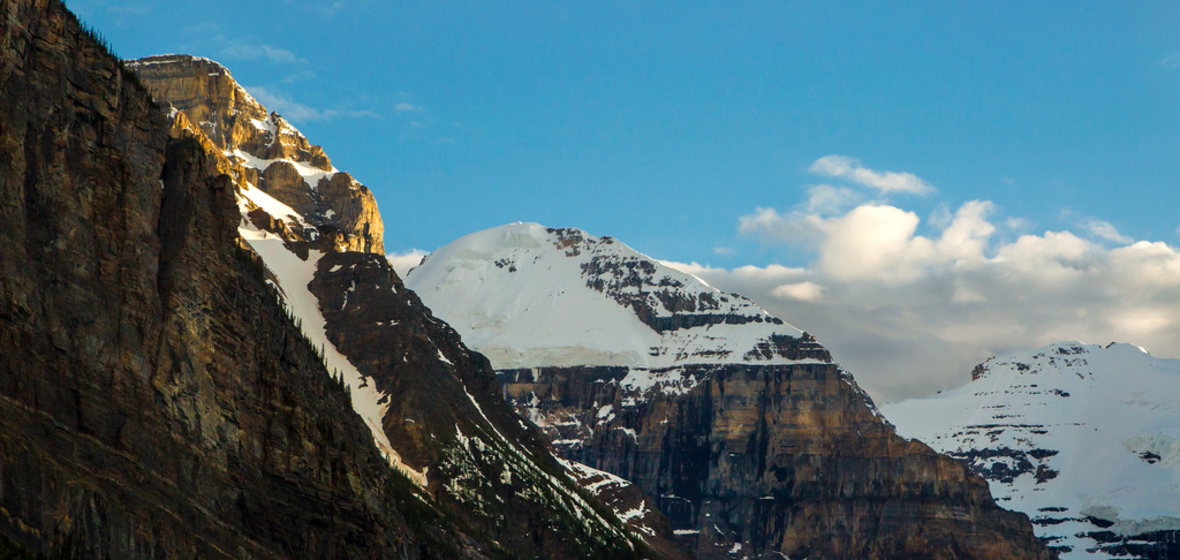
[783,458]
[214,104]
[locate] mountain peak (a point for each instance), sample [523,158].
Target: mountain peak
[529,295]
[270,152]
[1055,358]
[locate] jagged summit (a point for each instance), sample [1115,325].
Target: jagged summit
[1084,438]
[528,295]
[269,152]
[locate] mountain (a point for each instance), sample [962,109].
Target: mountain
[433,406]
[737,426]
[205,354]
[1081,437]
[271,154]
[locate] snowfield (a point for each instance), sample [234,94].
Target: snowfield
[1081,437]
[525,296]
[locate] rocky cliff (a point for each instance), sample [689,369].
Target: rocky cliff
[168,391]
[432,406]
[275,156]
[156,400]
[738,427]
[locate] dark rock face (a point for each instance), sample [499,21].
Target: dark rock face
[156,401]
[616,276]
[750,460]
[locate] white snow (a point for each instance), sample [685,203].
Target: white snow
[1101,409]
[311,175]
[270,205]
[523,301]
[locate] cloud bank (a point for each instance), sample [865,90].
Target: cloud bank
[911,314]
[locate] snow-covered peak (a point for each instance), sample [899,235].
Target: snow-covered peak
[1083,438]
[527,295]
[1055,359]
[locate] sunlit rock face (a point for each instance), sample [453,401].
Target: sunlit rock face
[275,157]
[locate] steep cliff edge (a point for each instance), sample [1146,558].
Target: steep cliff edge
[156,400]
[157,397]
[738,426]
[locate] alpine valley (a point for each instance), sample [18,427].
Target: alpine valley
[205,354]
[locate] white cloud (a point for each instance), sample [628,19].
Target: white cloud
[874,242]
[404,107]
[827,199]
[1106,231]
[404,261]
[1013,223]
[244,51]
[844,167]
[1171,61]
[298,112]
[792,228]
[802,291]
[911,314]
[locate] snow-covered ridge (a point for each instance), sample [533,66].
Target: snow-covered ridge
[294,275]
[1081,437]
[528,296]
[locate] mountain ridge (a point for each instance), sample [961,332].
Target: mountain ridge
[430,404]
[743,432]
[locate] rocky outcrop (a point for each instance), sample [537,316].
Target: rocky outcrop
[278,159]
[446,418]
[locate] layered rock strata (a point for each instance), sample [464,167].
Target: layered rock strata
[155,400]
[737,426]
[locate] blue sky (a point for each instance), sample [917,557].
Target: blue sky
[697,133]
